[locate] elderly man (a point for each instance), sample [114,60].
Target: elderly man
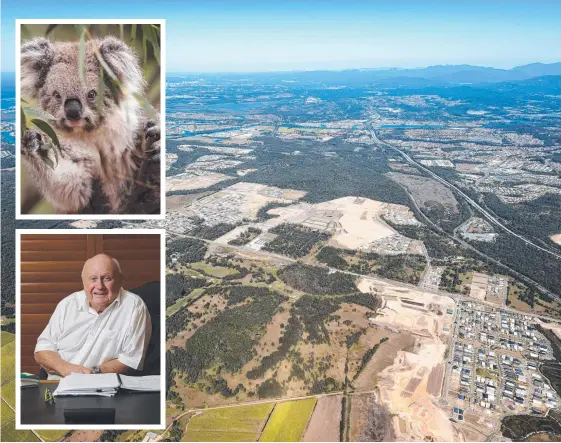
[100,329]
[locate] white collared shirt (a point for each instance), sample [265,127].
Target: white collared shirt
[83,337]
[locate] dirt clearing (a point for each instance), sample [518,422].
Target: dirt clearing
[426,191]
[324,424]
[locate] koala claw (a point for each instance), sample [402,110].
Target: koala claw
[152,136]
[31,142]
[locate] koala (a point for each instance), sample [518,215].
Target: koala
[110,153]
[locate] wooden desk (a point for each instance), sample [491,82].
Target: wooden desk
[131,408]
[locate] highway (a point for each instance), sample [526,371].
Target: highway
[483,211]
[472,202]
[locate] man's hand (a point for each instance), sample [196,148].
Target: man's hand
[70,368]
[54,364]
[114,366]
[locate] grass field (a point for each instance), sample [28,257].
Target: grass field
[180,302]
[219,436]
[7,337]
[9,433]
[214,271]
[8,362]
[52,434]
[240,423]
[9,393]
[6,413]
[289,420]
[465,280]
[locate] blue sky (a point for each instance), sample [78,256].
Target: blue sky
[231,36]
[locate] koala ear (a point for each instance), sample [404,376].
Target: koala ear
[123,63]
[36,59]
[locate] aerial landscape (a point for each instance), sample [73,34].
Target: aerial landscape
[353,255]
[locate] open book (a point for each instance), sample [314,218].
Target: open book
[105,385]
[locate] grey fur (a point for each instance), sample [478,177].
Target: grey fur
[106,145]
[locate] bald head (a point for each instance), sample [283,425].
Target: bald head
[102,278]
[102,259]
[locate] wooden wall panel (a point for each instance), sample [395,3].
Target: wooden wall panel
[51,265]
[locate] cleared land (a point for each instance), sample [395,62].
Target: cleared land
[354,222]
[556,238]
[84,436]
[189,181]
[288,420]
[324,424]
[479,284]
[427,191]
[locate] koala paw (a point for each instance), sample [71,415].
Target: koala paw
[31,143]
[152,143]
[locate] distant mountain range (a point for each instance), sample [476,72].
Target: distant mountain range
[432,75]
[398,77]
[387,77]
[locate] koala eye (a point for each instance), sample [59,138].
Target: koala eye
[57,95]
[92,95]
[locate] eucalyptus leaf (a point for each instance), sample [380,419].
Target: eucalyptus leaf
[37,113]
[122,32]
[82,56]
[23,121]
[50,147]
[113,87]
[50,28]
[146,105]
[47,129]
[106,67]
[100,90]
[49,162]
[150,35]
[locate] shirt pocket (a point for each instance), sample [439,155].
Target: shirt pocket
[108,342]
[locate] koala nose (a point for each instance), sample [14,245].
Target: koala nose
[73,109]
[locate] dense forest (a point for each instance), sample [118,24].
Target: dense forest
[186,250]
[403,267]
[178,285]
[526,259]
[262,214]
[211,232]
[294,240]
[228,338]
[539,218]
[316,280]
[438,246]
[350,172]
[245,237]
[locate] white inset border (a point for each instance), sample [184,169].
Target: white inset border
[162,215]
[162,234]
